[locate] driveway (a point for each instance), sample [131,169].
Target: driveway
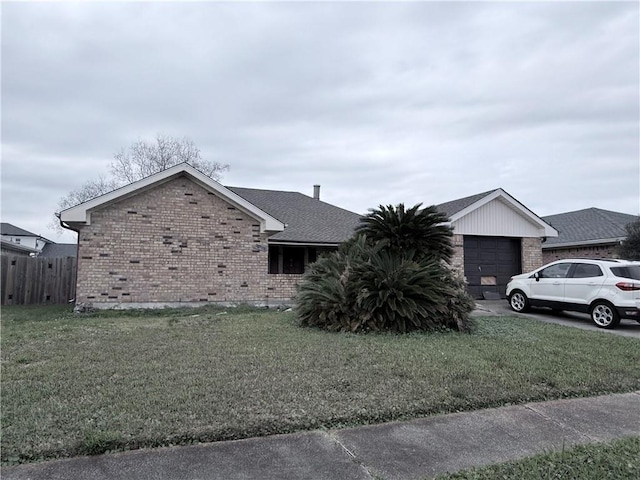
[627,328]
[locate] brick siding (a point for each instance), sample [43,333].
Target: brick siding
[457,260]
[531,254]
[595,251]
[176,242]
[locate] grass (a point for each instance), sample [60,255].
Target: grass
[618,460]
[75,385]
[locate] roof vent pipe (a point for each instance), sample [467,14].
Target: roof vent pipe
[316,192]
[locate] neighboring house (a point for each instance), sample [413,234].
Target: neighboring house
[588,233]
[11,248]
[495,237]
[59,250]
[16,240]
[180,237]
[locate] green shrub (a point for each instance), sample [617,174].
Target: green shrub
[459,304]
[398,294]
[382,284]
[424,232]
[322,295]
[630,246]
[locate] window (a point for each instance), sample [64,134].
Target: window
[631,272]
[290,260]
[586,270]
[558,270]
[17,240]
[293,260]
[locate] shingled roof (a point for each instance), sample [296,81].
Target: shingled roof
[56,250]
[588,226]
[306,219]
[10,230]
[455,206]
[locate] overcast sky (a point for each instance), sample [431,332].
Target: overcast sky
[380,103]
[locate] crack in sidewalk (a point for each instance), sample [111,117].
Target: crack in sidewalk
[561,424]
[333,437]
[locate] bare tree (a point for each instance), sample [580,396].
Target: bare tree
[89,189]
[144,158]
[140,160]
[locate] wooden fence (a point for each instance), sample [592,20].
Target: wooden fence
[34,280]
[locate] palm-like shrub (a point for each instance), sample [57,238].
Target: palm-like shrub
[459,304]
[325,296]
[424,231]
[396,293]
[321,300]
[392,275]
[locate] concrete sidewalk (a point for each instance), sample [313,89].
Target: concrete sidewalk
[398,450]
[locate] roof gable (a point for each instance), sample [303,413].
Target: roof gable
[81,214]
[472,216]
[588,226]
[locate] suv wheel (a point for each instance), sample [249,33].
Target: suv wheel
[604,315]
[518,301]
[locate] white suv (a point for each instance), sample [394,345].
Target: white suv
[606,289]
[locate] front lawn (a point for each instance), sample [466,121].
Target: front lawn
[75,385]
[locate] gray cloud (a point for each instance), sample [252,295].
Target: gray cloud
[379,102]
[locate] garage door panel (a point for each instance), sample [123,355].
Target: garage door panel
[487,256]
[487,244]
[506,270]
[487,269]
[489,263]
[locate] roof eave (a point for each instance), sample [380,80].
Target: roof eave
[590,243]
[303,243]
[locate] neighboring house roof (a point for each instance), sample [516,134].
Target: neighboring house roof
[81,214]
[9,229]
[590,226]
[307,220]
[16,247]
[56,250]
[472,206]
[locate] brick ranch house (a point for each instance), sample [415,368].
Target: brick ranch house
[588,233]
[180,238]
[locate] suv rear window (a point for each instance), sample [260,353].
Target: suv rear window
[630,271]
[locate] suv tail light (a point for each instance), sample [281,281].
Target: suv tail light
[628,286]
